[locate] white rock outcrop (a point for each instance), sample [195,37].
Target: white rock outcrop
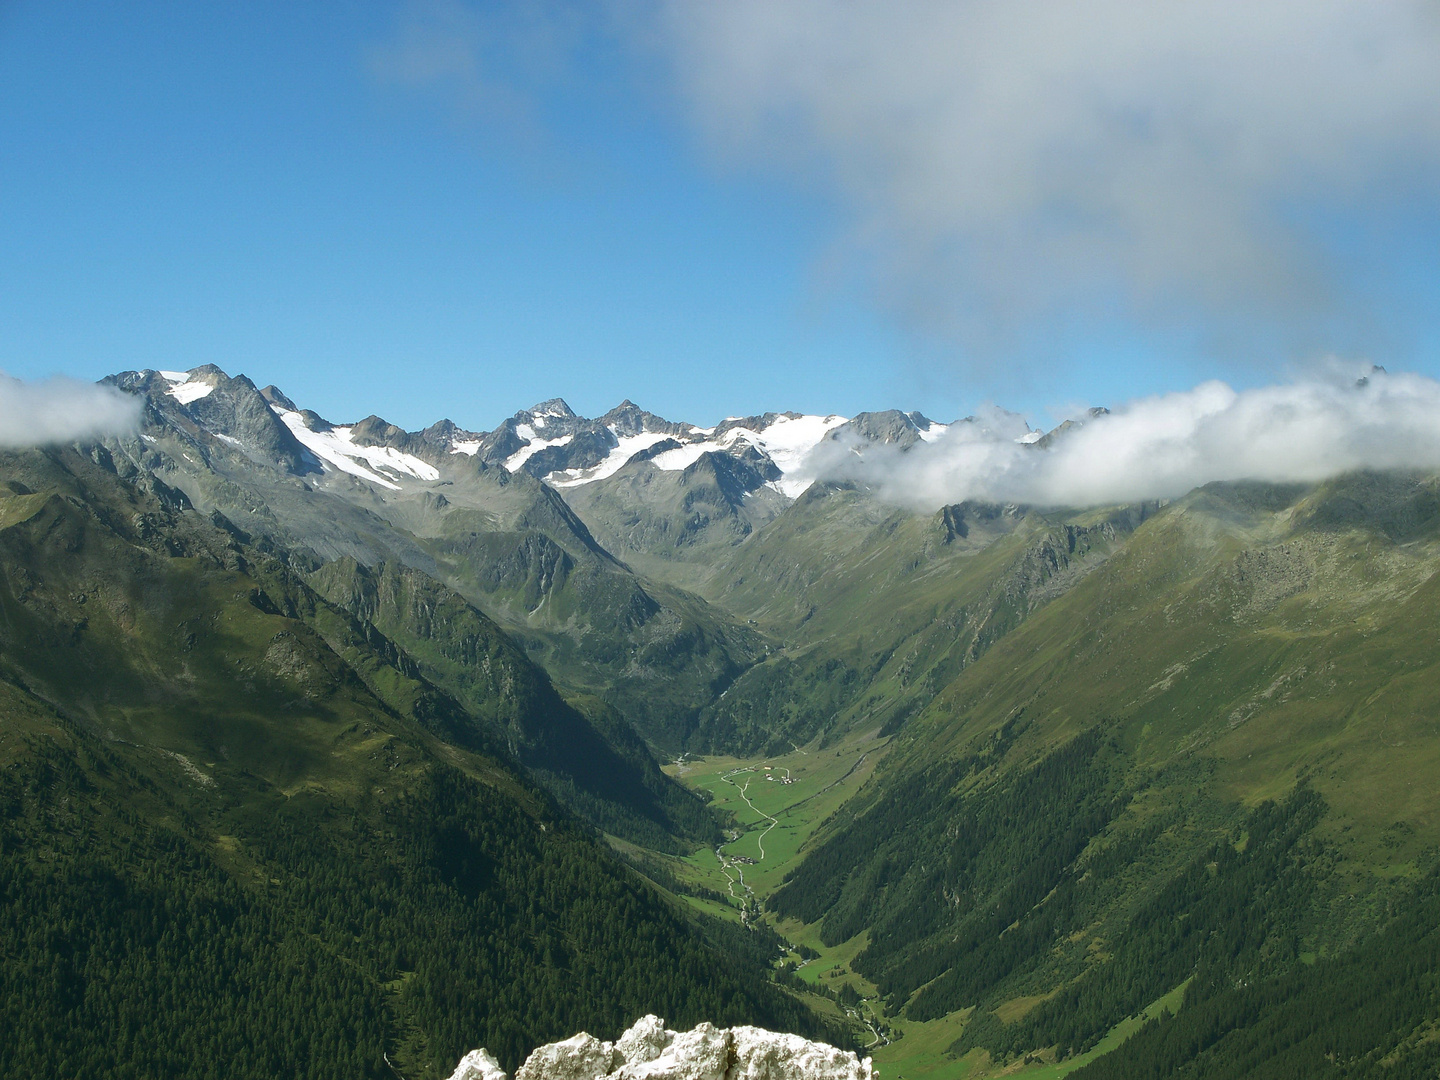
[649,1051]
[646,1040]
[769,1055]
[702,1054]
[580,1057]
[478,1065]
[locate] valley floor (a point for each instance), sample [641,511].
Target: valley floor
[773,820]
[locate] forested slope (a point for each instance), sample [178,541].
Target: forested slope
[1210,759]
[242,834]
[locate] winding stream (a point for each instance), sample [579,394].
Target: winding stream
[727,864]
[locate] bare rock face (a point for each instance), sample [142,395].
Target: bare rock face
[702,1054]
[580,1057]
[478,1065]
[648,1051]
[768,1055]
[645,1041]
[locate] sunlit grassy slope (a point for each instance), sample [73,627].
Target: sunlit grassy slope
[1222,712]
[1245,691]
[821,781]
[878,609]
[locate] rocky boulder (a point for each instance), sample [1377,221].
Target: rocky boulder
[649,1051]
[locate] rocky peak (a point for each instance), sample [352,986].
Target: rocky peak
[275,396]
[444,434]
[377,431]
[890,426]
[650,1051]
[734,474]
[205,401]
[752,423]
[1051,437]
[628,419]
[553,407]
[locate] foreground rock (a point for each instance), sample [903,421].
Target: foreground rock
[650,1052]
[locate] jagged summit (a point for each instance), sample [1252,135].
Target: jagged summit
[649,1051]
[549,441]
[273,395]
[891,427]
[552,407]
[1046,440]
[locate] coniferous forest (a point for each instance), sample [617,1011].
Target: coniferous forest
[452,920]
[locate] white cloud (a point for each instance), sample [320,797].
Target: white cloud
[1011,165]
[1164,446]
[62,410]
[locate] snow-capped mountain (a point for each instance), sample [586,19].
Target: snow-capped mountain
[552,443]
[548,441]
[283,477]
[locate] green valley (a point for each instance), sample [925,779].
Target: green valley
[1227,720]
[989,789]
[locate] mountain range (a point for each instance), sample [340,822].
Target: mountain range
[380,715]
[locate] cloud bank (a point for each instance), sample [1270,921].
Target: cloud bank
[1164,446]
[62,410]
[1021,169]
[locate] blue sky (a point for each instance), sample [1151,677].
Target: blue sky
[429,210]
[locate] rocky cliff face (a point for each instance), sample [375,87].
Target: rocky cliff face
[650,1052]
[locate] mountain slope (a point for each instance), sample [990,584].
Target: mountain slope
[880,608]
[239,825]
[505,541]
[1209,755]
[671,524]
[1133,758]
[608,777]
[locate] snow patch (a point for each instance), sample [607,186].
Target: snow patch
[933,432]
[629,446]
[533,447]
[186,392]
[789,441]
[682,457]
[336,448]
[175,376]
[465,446]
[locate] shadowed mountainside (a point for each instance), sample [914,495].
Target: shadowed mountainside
[239,824]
